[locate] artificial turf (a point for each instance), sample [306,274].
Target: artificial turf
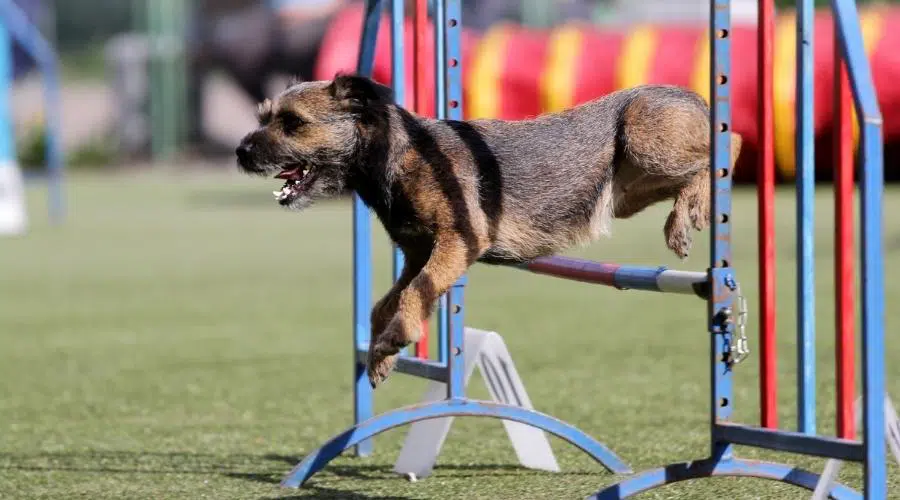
[183,337]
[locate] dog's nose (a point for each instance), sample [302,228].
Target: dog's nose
[243,151]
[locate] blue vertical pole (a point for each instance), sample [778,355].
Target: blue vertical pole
[721,301]
[806,325]
[398,82]
[440,103]
[362,250]
[7,141]
[16,25]
[873,308]
[56,199]
[453,106]
[871,251]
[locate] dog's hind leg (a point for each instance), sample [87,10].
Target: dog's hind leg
[692,205]
[691,210]
[447,263]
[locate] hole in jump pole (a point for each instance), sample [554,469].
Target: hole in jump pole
[723,263]
[722,33]
[457,309]
[723,218]
[454,62]
[723,127]
[722,172]
[452,23]
[723,402]
[722,79]
[454,104]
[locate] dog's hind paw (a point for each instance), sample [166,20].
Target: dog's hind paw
[699,215]
[678,235]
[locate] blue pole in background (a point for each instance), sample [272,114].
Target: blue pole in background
[17,26]
[7,141]
[806,292]
[12,196]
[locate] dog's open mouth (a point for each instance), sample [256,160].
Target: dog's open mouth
[298,179]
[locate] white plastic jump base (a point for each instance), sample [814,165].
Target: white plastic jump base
[892,431]
[487,351]
[12,199]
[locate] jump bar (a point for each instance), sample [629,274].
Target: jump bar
[792,442]
[422,368]
[654,279]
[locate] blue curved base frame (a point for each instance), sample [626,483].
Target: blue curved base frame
[719,468]
[317,460]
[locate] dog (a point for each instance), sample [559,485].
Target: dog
[452,193]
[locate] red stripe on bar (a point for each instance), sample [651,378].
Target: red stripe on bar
[578,270]
[843,240]
[765,179]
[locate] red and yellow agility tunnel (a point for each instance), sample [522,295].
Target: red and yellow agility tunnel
[513,72]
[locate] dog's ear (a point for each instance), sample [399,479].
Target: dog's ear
[357,92]
[264,112]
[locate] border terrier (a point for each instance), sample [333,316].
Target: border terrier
[452,193]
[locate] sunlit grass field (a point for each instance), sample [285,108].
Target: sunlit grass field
[183,337]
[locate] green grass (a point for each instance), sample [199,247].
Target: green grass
[182,337]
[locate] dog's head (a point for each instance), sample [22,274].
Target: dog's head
[313,134]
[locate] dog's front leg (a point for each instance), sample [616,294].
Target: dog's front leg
[447,263]
[383,310]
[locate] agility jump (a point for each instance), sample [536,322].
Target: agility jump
[718,286]
[15,27]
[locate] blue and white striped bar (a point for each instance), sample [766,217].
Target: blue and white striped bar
[654,279]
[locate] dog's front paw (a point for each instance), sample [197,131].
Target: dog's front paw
[383,353]
[380,364]
[678,235]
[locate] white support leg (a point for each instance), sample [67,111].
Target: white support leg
[892,431]
[488,352]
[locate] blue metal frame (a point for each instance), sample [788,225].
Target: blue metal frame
[450,368]
[442,73]
[805,157]
[871,252]
[715,468]
[16,23]
[363,404]
[725,434]
[398,83]
[462,407]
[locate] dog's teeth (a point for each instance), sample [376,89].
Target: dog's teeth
[296,182]
[276,193]
[305,171]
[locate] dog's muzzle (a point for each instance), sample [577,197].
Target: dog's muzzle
[244,156]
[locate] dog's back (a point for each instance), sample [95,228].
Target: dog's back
[558,180]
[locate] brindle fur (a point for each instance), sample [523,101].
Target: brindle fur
[450,193]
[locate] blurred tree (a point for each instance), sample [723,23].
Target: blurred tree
[89,22]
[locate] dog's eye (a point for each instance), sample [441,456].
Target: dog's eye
[290,122]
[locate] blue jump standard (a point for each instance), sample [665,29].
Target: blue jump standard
[463,407]
[717,286]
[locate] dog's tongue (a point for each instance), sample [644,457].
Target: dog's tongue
[291,174]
